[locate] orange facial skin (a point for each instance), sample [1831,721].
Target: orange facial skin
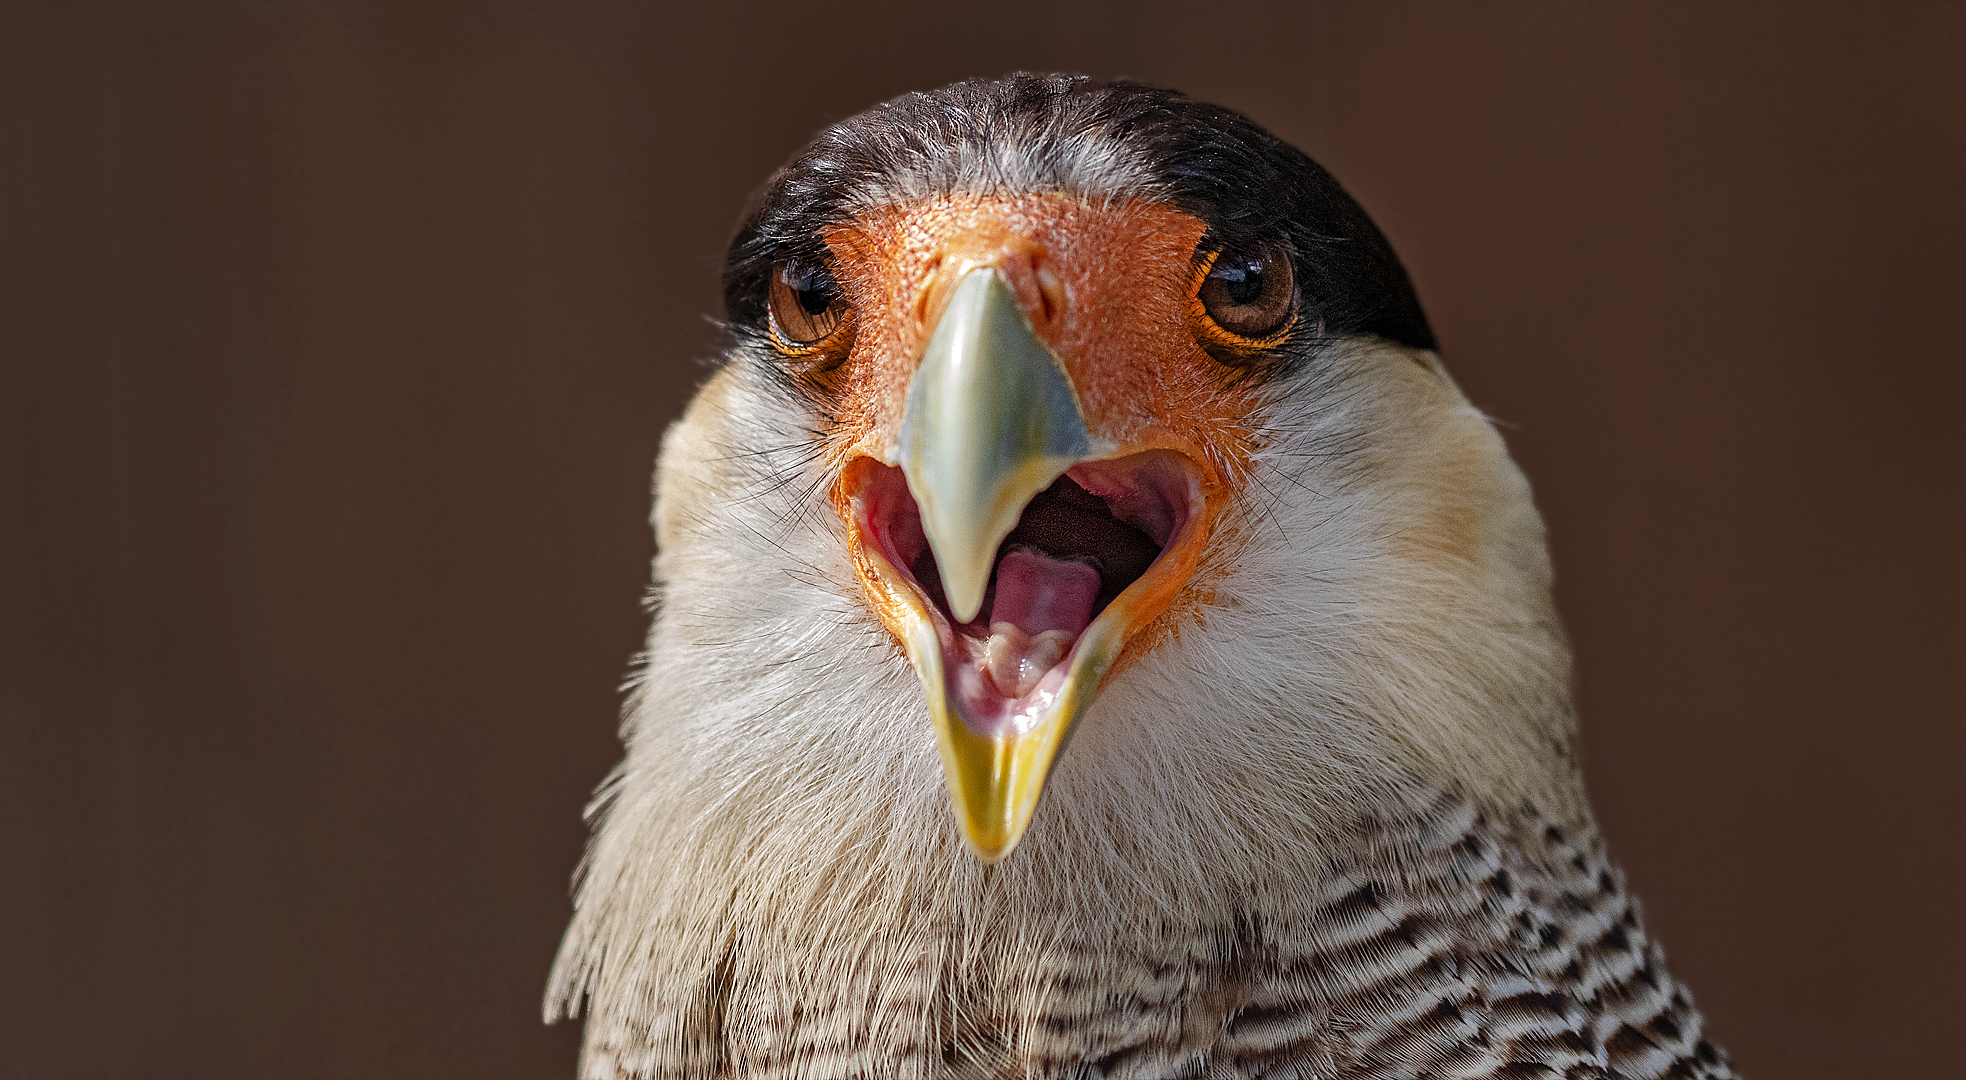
[1109,287]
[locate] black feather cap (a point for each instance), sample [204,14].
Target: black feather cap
[1099,140]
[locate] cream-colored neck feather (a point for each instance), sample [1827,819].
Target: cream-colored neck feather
[1371,629]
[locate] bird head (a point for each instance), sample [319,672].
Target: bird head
[1090,379]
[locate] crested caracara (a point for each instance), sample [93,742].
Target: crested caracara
[1096,638]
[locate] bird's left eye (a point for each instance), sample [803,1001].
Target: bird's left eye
[1249,293]
[806,303]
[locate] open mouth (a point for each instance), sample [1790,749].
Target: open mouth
[1092,559]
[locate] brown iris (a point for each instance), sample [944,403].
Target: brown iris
[1246,297]
[807,305]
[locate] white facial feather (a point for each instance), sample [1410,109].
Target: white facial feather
[1371,626]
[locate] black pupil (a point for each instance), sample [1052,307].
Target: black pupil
[1244,280]
[817,299]
[814,287]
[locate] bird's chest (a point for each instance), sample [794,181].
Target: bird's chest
[1469,952]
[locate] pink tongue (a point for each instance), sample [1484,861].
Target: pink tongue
[1038,593]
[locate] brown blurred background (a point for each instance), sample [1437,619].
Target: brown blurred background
[336,340]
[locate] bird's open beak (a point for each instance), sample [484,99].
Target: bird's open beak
[1012,551]
[992,420]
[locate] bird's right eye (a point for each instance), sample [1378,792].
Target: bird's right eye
[807,305]
[1248,294]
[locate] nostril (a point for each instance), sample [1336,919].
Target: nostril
[1039,289]
[927,298]
[1051,293]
